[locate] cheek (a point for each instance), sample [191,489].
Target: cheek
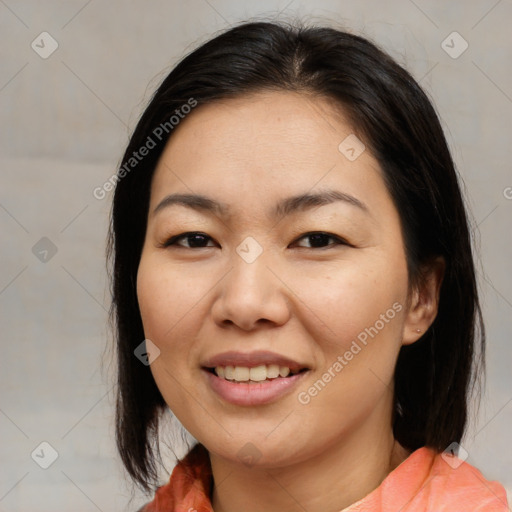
[165,304]
[153,299]
[359,337]
[163,300]
[344,301]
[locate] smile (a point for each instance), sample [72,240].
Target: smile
[255,374]
[252,378]
[252,392]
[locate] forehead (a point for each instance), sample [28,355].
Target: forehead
[262,125]
[261,146]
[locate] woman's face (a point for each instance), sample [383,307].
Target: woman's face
[259,290]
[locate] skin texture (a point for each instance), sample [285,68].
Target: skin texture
[304,302]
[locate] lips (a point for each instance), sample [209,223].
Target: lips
[230,376]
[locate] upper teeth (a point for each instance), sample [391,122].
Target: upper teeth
[257,373]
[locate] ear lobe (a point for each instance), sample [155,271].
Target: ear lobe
[424,301]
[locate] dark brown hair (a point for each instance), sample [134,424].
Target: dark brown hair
[395,119]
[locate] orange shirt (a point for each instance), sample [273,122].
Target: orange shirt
[424,482]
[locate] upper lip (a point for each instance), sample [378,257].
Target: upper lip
[252,359]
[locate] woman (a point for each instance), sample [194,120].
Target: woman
[293,279]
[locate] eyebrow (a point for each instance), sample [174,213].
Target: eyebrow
[283,208]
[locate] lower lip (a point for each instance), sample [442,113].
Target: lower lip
[253,394]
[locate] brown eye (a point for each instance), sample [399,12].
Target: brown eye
[320,240]
[194,239]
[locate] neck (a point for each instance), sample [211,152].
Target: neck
[341,474]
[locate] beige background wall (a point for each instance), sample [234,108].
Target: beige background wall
[64,123]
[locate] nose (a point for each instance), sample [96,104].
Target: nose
[251,295]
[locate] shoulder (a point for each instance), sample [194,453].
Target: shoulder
[456,485]
[428,481]
[189,483]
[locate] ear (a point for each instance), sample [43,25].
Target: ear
[423,301]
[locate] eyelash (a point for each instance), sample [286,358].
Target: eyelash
[172,241]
